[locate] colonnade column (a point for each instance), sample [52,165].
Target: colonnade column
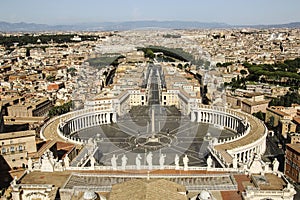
[108,118]
[114,118]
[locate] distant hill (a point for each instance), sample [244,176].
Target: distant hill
[289,25]
[28,27]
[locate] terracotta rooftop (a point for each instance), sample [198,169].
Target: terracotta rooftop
[268,182]
[295,147]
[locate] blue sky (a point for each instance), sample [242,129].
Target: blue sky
[234,12]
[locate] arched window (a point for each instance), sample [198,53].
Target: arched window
[3,150]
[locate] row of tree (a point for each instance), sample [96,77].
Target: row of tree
[25,39]
[279,72]
[286,100]
[177,53]
[59,110]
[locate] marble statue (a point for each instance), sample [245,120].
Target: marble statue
[14,182]
[138,161]
[162,160]
[113,161]
[47,162]
[29,164]
[235,162]
[92,161]
[185,162]
[176,161]
[124,161]
[275,165]
[58,166]
[149,160]
[66,161]
[209,162]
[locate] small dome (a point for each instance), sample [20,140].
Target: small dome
[204,195]
[89,195]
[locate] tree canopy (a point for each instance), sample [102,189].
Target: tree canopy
[286,100]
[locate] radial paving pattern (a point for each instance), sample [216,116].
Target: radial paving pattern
[133,134]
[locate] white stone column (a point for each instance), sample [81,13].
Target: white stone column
[108,118]
[72,126]
[235,120]
[193,116]
[92,120]
[114,118]
[199,116]
[81,123]
[76,124]
[228,121]
[263,146]
[248,155]
[216,118]
[239,157]
[98,119]
[252,154]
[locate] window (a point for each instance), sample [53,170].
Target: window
[12,149]
[3,150]
[20,148]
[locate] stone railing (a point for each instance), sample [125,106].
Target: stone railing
[154,167]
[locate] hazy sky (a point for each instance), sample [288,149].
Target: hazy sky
[234,12]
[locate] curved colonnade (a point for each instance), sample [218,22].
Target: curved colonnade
[250,136]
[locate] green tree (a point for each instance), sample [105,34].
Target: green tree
[259,115]
[271,121]
[50,78]
[243,72]
[149,54]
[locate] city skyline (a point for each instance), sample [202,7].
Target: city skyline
[232,12]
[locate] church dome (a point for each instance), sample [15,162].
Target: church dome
[89,195]
[204,195]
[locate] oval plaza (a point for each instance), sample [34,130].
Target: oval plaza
[151,126]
